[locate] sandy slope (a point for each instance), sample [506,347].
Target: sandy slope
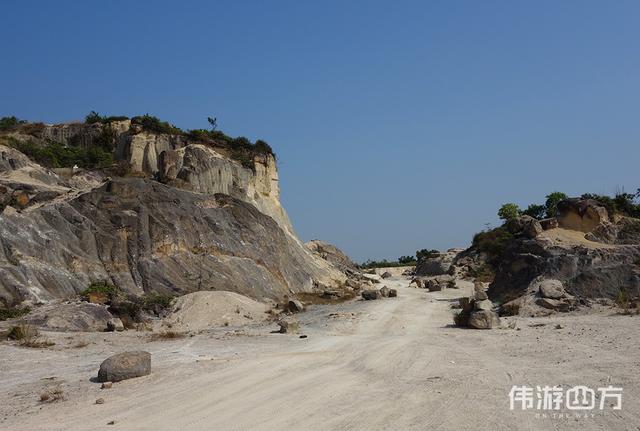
[389,364]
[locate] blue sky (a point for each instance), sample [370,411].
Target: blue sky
[398,125]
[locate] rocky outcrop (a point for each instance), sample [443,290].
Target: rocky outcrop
[332,254]
[190,216]
[144,236]
[583,215]
[586,269]
[437,265]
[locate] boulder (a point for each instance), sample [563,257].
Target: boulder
[371,294]
[393,293]
[483,319]
[551,304]
[434,286]
[438,283]
[115,324]
[384,291]
[525,226]
[551,288]
[479,294]
[295,306]
[70,317]
[288,326]
[386,274]
[125,366]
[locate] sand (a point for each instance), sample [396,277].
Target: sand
[390,364]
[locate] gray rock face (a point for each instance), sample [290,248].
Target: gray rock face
[125,366]
[595,272]
[332,254]
[483,319]
[144,236]
[371,294]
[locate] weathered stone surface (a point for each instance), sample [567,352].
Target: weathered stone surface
[386,274]
[393,293]
[552,304]
[581,214]
[138,233]
[115,324]
[437,265]
[549,223]
[550,288]
[384,291]
[483,305]
[295,306]
[483,319]
[125,366]
[526,226]
[371,294]
[70,317]
[332,254]
[288,326]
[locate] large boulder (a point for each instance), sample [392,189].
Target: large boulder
[550,288]
[71,317]
[484,305]
[125,366]
[371,294]
[384,291]
[483,319]
[526,226]
[332,254]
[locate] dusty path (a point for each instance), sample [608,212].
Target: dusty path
[391,364]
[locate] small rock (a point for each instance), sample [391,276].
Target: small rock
[125,366]
[111,423]
[393,293]
[115,324]
[295,306]
[288,326]
[559,326]
[106,385]
[303,336]
[100,401]
[371,294]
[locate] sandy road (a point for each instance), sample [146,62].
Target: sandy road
[391,364]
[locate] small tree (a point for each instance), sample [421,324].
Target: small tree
[536,211]
[213,122]
[508,211]
[551,204]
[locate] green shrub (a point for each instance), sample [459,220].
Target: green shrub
[8,123]
[12,313]
[551,204]
[102,286]
[509,211]
[156,302]
[536,211]
[55,155]
[407,260]
[154,124]
[492,242]
[94,117]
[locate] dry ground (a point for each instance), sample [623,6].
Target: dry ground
[391,364]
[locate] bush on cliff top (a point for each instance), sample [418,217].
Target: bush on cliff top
[55,155]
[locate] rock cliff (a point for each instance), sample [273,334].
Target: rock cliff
[182,216]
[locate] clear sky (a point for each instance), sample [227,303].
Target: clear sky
[398,125]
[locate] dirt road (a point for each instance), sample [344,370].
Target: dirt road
[391,364]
